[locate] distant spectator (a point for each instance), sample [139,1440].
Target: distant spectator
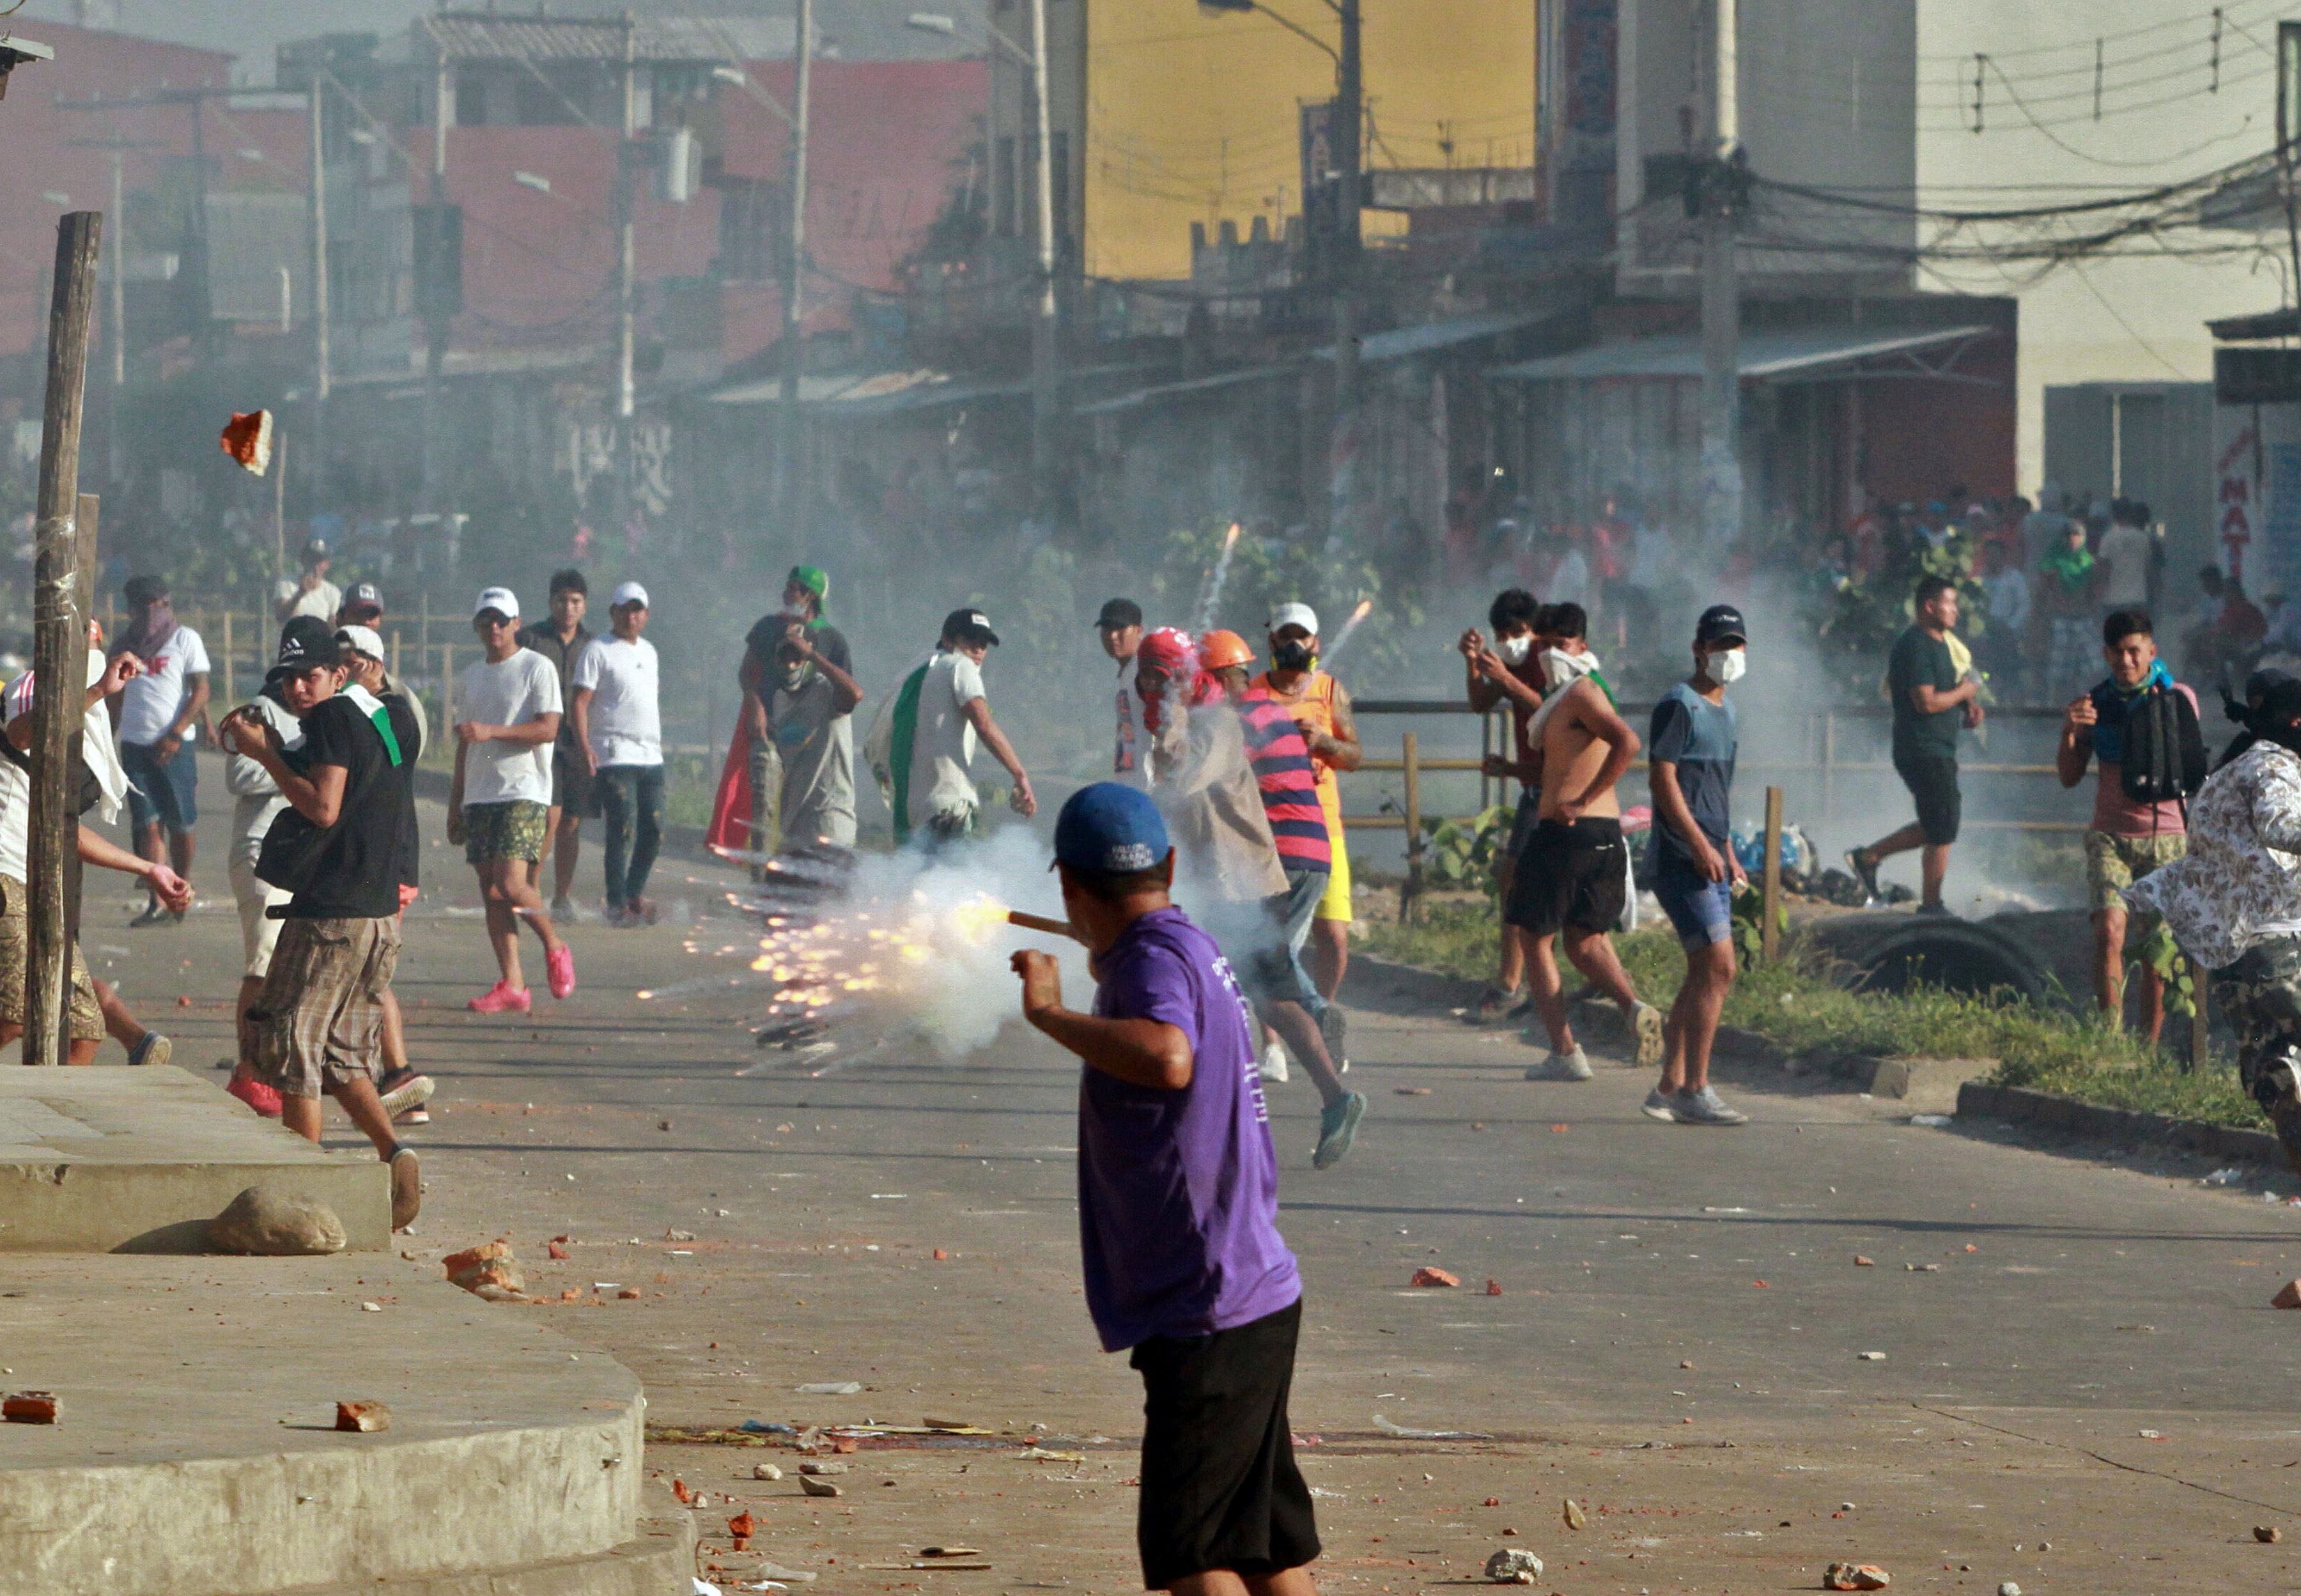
[2127,555]
[2042,528]
[312,593]
[2065,588]
[2005,606]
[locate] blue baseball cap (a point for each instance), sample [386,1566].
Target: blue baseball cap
[1110,830]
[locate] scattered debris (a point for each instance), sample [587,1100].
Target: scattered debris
[742,1527]
[913,1568]
[777,1571]
[2223,1177]
[815,1487]
[265,1222]
[822,1470]
[679,1489]
[1411,1091]
[2268,1534]
[766,1471]
[2287,1296]
[557,1253]
[1512,1566]
[940,1256]
[1574,1515]
[29,1407]
[2008,1588]
[1922,1268]
[1428,1276]
[1862,1263]
[1408,1433]
[489,1270]
[364,1418]
[1856,1576]
[1932,1122]
[832,1388]
[1873,1357]
[950,1552]
[679,1236]
[1494,1287]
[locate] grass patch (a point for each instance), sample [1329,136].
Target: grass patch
[1794,1004]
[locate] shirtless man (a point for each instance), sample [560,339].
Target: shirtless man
[1571,879]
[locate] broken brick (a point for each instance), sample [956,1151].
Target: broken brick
[1856,1576]
[364,1418]
[29,1407]
[629,1294]
[1427,1276]
[557,1252]
[1493,1288]
[2287,1296]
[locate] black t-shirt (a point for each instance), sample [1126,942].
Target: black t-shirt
[371,851]
[1921,660]
[543,637]
[760,643]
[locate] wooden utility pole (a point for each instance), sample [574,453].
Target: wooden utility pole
[791,440]
[59,636]
[1770,896]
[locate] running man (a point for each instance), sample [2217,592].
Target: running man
[618,719]
[1178,1211]
[924,738]
[1322,708]
[1572,882]
[1934,689]
[1690,769]
[347,851]
[499,800]
[562,639]
[2128,839]
[159,710]
[1119,627]
[1508,670]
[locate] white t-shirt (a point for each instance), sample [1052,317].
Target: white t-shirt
[943,742]
[511,693]
[150,703]
[323,600]
[2126,551]
[258,798]
[624,716]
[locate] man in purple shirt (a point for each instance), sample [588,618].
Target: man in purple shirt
[1178,1211]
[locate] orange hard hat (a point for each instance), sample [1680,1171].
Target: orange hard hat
[1218,650]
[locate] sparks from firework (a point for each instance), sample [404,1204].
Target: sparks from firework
[1216,577]
[1365,608]
[817,963]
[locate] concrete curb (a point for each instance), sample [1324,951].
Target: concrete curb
[2124,1127]
[659,1560]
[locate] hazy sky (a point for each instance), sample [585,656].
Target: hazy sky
[247,28]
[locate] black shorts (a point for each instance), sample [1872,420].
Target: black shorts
[571,785]
[1572,875]
[1220,1489]
[1932,781]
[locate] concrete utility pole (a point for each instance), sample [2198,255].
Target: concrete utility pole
[1045,325]
[626,273]
[319,213]
[435,324]
[1721,290]
[789,444]
[1348,129]
[59,639]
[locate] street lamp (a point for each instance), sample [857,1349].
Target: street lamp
[1045,351]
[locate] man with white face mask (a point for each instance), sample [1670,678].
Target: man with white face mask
[1690,755]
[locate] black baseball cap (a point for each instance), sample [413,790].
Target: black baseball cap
[1720,624]
[305,642]
[362,596]
[1118,613]
[969,625]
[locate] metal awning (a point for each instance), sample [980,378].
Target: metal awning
[1808,356]
[1194,385]
[1428,337]
[2261,325]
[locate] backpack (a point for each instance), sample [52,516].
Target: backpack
[2164,756]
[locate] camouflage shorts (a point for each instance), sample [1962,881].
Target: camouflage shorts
[507,831]
[2114,863]
[2261,995]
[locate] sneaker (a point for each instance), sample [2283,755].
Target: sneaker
[407,1091]
[642,911]
[1645,1024]
[559,965]
[1334,1026]
[153,1049]
[1657,1105]
[564,908]
[417,1115]
[153,914]
[264,1099]
[500,998]
[1273,1067]
[1496,1007]
[1561,1066]
[1338,1127]
[1704,1108]
[1865,871]
[406,1189]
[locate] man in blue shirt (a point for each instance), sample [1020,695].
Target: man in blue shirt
[1690,765]
[1178,1210]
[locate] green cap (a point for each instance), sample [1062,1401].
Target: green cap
[814,579]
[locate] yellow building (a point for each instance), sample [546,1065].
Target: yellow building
[1191,116]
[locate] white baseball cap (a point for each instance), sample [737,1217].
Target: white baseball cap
[362,639]
[1295,615]
[502,600]
[629,593]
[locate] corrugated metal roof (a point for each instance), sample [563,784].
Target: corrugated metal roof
[468,36]
[1764,354]
[1192,384]
[1426,337]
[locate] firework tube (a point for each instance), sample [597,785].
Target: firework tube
[1058,928]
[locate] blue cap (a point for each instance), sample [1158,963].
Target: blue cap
[1110,830]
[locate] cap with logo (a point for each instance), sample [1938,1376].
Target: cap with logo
[969,625]
[814,579]
[364,596]
[1118,613]
[1720,624]
[502,600]
[1110,830]
[628,593]
[316,549]
[362,640]
[305,642]
[1295,615]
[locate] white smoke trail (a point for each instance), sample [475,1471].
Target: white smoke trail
[1211,601]
[1326,654]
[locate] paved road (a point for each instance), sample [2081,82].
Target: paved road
[2091,1362]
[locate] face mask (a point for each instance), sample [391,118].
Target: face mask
[795,677]
[1563,669]
[1293,655]
[1725,666]
[1514,650]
